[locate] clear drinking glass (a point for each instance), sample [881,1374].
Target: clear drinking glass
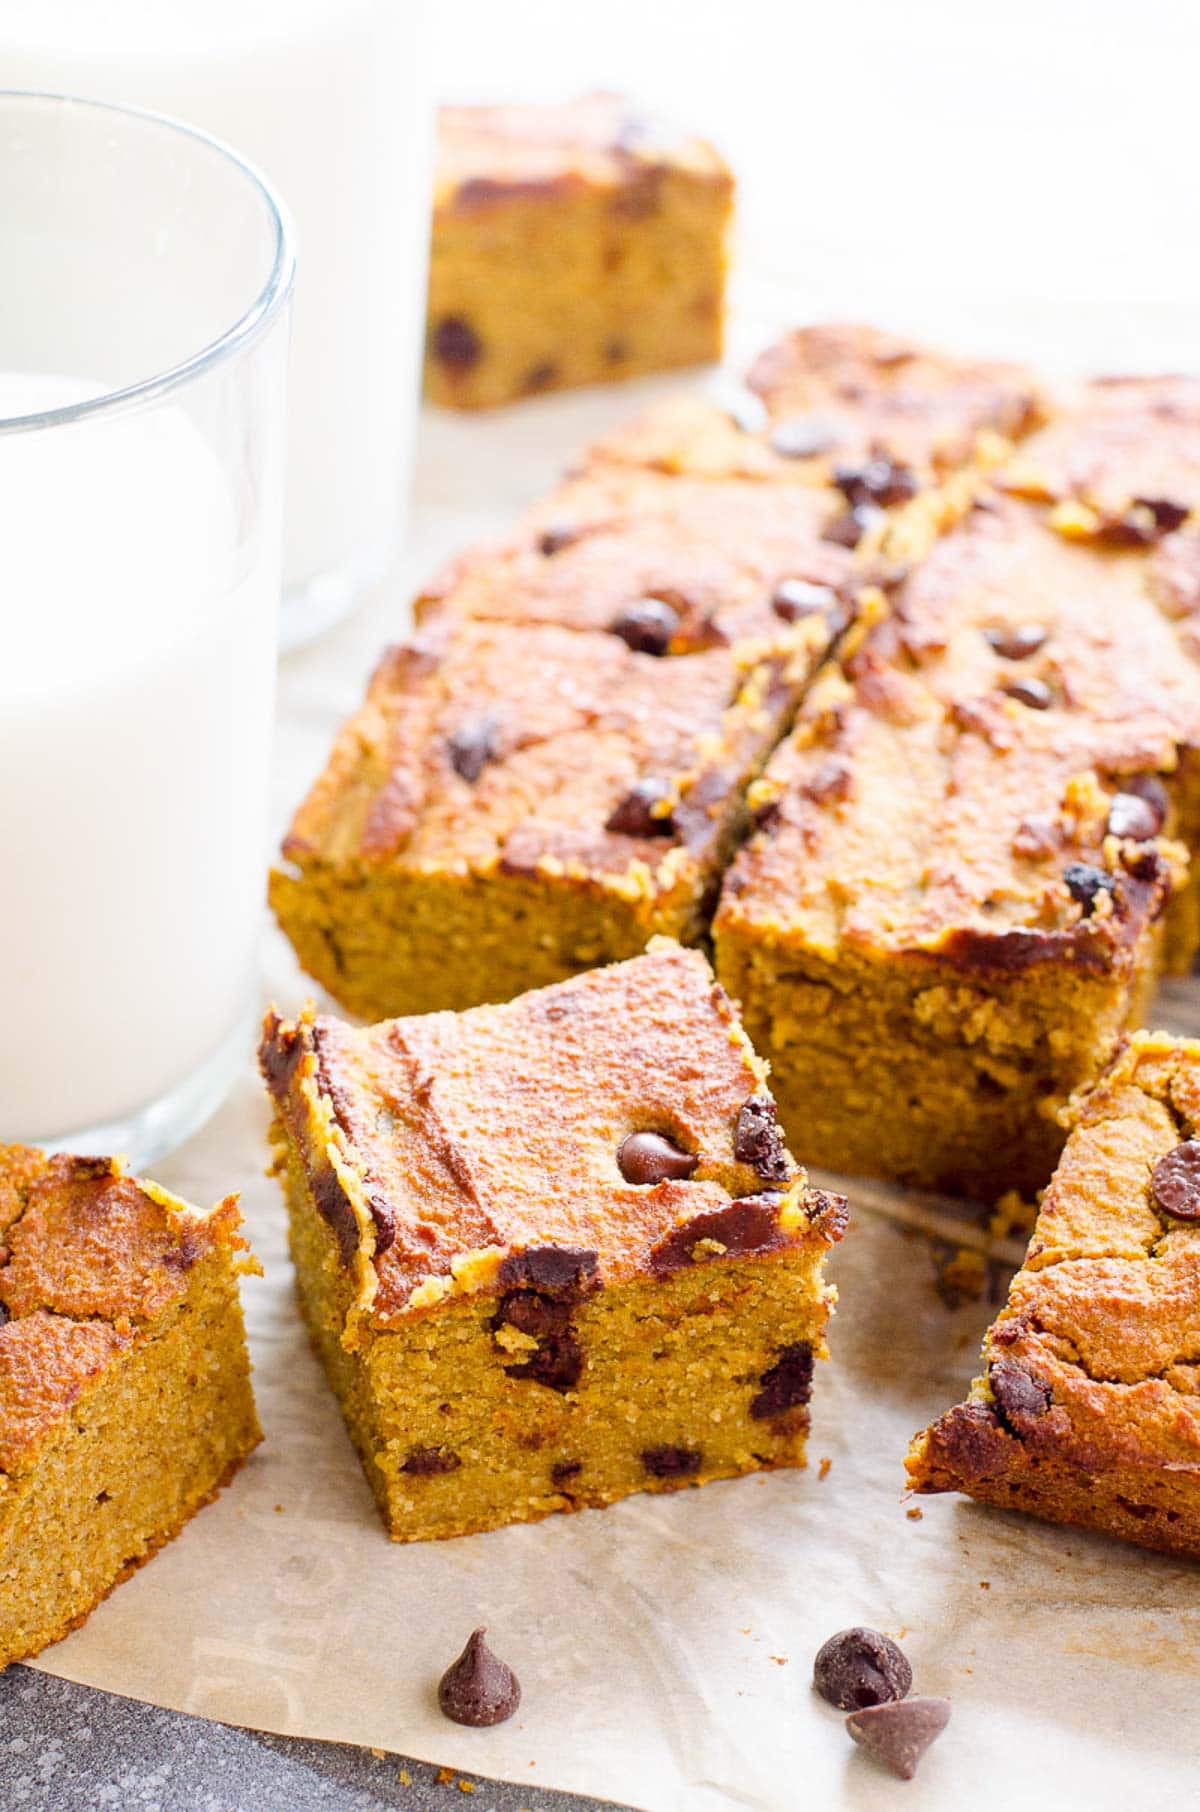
[143,350]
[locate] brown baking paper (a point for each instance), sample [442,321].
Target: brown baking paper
[664,1645]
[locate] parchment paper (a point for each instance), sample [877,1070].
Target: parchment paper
[665,1644]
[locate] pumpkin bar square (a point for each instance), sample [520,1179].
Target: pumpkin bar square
[515,803]
[551,1252]
[956,899]
[573,243]
[1088,1411]
[125,1399]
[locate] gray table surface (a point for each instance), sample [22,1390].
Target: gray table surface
[68,1748]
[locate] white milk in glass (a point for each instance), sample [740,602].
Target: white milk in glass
[328,98]
[138,666]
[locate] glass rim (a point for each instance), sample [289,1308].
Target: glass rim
[252,321]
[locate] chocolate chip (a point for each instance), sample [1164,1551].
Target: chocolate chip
[860,1667]
[1086,883]
[1168,516]
[456,343]
[424,1462]
[333,1205]
[785,1385]
[615,351]
[880,481]
[646,625]
[758,1140]
[478,1689]
[566,1272]
[1033,692]
[472,746]
[635,816]
[1018,642]
[648,1157]
[848,529]
[793,599]
[540,377]
[1131,816]
[671,1462]
[553,540]
[804,436]
[1150,788]
[898,1735]
[563,1470]
[750,1224]
[1175,1181]
[767,817]
[1018,1395]
[532,1313]
[558,1364]
[5,1314]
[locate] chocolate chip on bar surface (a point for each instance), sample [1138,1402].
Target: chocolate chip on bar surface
[478,1689]
[1175,1182]
[456,344]
[472,746]
[649,1157]
[758,1139]
[897,1735]
[794,599]
[1018,642]
[1085,883]
[860,1667]
[646,625]
[1033,693]
[635,816]
[1131,816]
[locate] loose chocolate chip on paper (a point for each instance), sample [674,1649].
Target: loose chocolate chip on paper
[1175,1181]
[671,1462]
[478,1689]
[472,746]
[794,599]
[860,1667]
[456,343]
[758,1139]
[785,1385]
[646,625]
[1034,693]
[1018,641]
[1085,883]
[897,1735]
[649,1157]
[1131,816]
[635,816]
[804,436]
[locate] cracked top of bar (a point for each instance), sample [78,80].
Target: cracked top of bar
[715,554]
[602,141]
[478,1152]
[825,403]
[936,796]
[1093,1362]
[88,1258]
[526,750]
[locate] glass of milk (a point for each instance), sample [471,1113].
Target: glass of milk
[330,99]
[143,350]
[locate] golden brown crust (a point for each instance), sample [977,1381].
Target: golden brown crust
[463,1150]
[488,155]
[882,394]
[1088,1410]
[90,1258]
[923,805]
[715,552]
[1124,461]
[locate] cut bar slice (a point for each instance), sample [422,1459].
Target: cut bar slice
[1088,1411]
[512,804]
[555,1251]
[125,1399]
[955,901]
[572,244]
